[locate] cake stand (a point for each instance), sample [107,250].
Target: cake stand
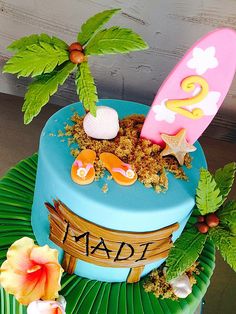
[84,296]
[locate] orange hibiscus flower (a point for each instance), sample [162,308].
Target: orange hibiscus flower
[31,272]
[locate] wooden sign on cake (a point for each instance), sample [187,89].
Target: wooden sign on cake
[81,239]
[193,92]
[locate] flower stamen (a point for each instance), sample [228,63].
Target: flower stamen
[34,269]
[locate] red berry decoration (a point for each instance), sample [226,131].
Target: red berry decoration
[212,220]
[75,46]
[202,227]
[200,218]
[77,57]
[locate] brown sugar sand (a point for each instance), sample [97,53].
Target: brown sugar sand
[141,154]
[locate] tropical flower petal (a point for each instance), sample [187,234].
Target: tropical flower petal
[43,255]
[9,279]
[33,288]
[53,272]
[19,252]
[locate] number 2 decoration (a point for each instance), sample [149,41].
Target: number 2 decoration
[193,92]
[188,84]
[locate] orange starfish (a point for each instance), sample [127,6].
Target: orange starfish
[177,146]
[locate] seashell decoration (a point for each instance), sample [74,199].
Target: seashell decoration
[181,286]
[104,126]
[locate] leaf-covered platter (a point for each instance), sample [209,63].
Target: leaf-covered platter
[84,295]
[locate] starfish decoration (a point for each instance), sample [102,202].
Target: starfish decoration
[177,146]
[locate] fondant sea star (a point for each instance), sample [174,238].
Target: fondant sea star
[177,146]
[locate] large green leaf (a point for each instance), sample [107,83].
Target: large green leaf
[16,223]
[36,59]
[93,24]
[15,208]
[227,216]
[226,243]
[115,40]
[42,88]
[208,198]
[9,305]
[224,178]
[24,42]
[86,88]
[185,252]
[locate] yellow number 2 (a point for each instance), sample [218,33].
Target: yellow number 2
[188,85]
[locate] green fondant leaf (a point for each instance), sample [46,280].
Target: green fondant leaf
[36,60]
[115,40]
[42,88]
[227,216]
[22,43]
[93,24]
[59,43]
[224,178]
[185,252]
[208,198]
[226,243]
[86,88]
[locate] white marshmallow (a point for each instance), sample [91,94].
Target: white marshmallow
[104,126]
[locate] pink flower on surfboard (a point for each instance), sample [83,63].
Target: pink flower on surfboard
[203,60]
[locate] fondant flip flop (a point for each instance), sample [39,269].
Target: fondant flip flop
[121,172]
[82,170]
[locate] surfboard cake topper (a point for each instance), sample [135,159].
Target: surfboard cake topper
[193,92]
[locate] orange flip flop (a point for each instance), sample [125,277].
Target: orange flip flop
[121,172]
[82,170]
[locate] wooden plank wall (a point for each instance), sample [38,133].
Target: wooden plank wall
[169,26]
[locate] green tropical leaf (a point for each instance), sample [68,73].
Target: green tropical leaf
[224,178]
[9,305]
[22,43]
[226,243]
[115,40]
[86,88]
[93,24]
[36,60]
[208,198]
[59,43]
[227,216]
[42,88]
[185,252]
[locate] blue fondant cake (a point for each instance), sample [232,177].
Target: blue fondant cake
[123,208]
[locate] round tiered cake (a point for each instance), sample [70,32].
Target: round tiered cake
[111,227]
[106,234]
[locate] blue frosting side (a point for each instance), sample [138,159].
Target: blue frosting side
[134,208]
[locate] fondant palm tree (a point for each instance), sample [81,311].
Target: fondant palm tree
[49,60]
